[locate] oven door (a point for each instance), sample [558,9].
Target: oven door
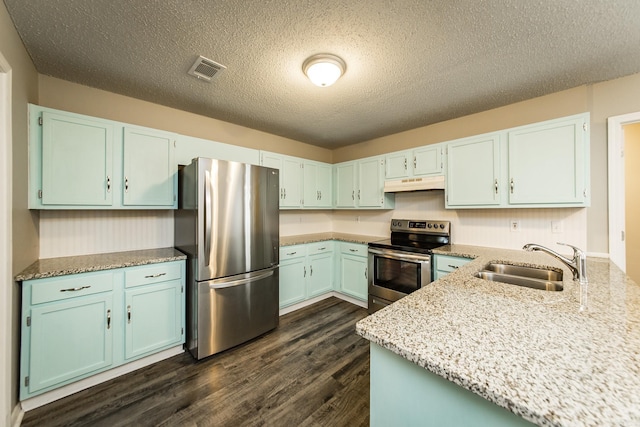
[394,274]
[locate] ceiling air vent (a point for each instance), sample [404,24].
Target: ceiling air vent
[206,69]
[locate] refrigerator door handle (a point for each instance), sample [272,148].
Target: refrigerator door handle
[207,217]
[243,281]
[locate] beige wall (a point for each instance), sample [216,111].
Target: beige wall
[603,100]
[64,95]
[24,89]
[632,199]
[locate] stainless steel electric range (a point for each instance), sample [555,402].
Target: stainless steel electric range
[402,264]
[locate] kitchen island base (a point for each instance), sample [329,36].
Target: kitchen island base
[405,394]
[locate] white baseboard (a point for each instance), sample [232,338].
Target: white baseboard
[17,415]
[314,300]
[69,389]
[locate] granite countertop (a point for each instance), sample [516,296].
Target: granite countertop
[52,267]
[530,351]
[321,237]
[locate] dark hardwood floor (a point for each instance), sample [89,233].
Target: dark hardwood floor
[313,370]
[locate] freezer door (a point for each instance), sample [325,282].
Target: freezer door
[233,310]
[239,213]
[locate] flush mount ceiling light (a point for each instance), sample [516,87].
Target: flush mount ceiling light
[324,69]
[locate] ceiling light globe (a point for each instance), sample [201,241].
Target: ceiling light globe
[323,70]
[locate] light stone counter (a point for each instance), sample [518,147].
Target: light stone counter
[321,237]
[52,267]
[530,351]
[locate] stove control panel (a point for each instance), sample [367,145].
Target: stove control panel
[420,226]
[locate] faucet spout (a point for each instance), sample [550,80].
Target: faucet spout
[577,264]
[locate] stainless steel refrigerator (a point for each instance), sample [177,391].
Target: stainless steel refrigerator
[227,223]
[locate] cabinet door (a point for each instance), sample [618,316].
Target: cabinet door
[291,178]
[153,318]
[293,273]
[320,279]
[345,185]
[473,171]
[324,183]
[547,163]
[311,195]
[397,165]
[275,161]
[370,182]
[149,168]
[427,161]
[69,340]
[353,276]
[77,161]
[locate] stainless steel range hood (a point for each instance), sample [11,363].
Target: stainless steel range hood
[415,184]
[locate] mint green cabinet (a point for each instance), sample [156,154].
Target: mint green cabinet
[354,270]
[292,274]
[67,330]
[548,162]
[149,168]
[445,264]
[77,160]
[317,182]
[542,165]
[78,325]
[360,184]
[306,271]
[473,171]
[82,162]
[423,161]
[320,260]
[291,178]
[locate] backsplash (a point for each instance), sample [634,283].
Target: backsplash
[481,227]
[67,233]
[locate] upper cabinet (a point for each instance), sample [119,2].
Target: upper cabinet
[149,168]
[80,162]
[360,184]
[423,161]
[303,183]
[540,165]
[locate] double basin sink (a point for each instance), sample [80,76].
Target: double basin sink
[530,277]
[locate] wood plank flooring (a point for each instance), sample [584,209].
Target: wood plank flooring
[313,370]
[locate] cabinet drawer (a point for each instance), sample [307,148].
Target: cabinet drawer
[450,263]
[153,273]
[291,252]
[65,287]
[353,249]
[319,247]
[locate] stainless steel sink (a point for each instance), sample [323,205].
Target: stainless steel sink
[531,272]
[530,277]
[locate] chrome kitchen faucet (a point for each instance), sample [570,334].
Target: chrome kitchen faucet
[578,265]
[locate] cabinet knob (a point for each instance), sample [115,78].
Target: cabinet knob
[126,184]
[495,183]
[108,319]
[108,183]
[512,185]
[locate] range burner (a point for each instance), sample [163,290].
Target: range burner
[416,236]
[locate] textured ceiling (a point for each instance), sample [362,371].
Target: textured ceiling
[409,63]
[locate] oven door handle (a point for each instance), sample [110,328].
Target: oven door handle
[400,256]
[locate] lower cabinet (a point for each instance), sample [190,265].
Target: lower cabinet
[74,326]
[353,270]
[445,264]
[306,271]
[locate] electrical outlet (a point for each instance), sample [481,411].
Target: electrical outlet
[556,227]
[357,219]
[514,225]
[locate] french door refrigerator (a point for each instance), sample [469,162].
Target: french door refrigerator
[227,223]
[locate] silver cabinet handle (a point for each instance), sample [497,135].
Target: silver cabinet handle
[512,185]
[322,248]
[285,193]
[415,162]
[305,271]
[453,266]
[365,273]
[405,163]
[108,319]
[292,253]
[281,193]
[358,194]
[126,184]
[496,185]
[311,270]
[155,275]
[128,314]
[353,197]
[353,250]
[75,289]
[108,183]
